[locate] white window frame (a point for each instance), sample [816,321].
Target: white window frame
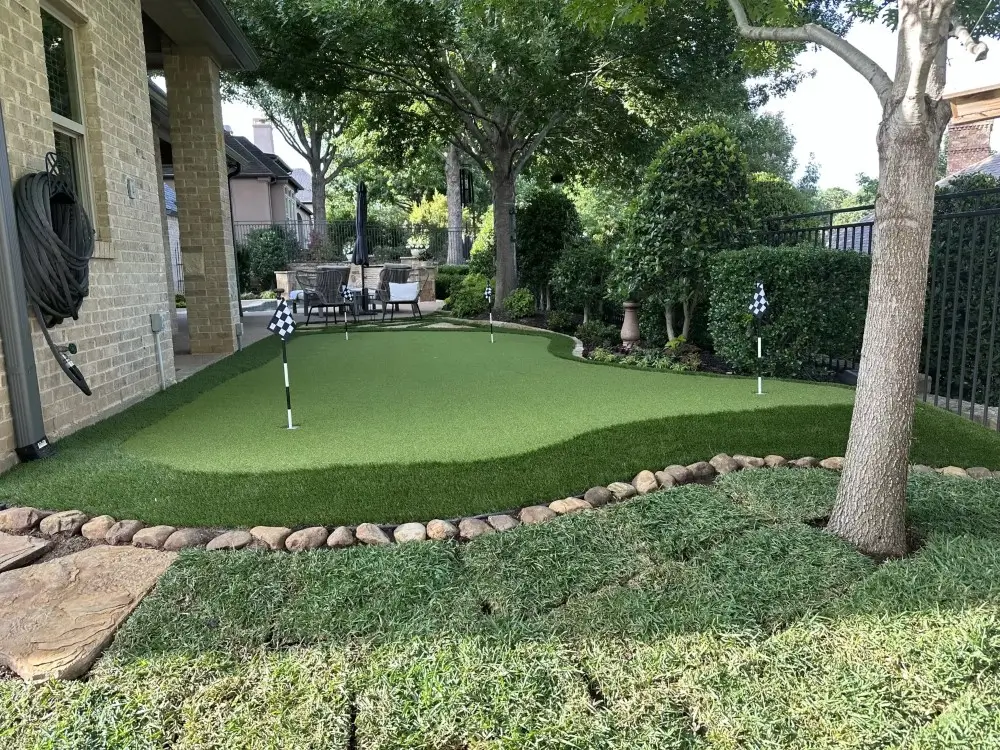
[77,131]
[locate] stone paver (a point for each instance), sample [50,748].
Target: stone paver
[16,551]
[56,617]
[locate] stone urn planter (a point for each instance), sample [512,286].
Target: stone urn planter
[630,328]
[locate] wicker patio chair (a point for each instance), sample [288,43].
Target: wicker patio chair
[390,295]
[323,290]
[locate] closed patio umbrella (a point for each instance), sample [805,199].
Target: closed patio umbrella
[360,255]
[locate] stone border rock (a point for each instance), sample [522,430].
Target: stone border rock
[104,529]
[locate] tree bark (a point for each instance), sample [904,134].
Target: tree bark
[503,232]
[689,305]
[870,511]
[453,192]
[668,318]
[319,203]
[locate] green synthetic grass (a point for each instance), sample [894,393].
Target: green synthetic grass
[703,617]
[451,424]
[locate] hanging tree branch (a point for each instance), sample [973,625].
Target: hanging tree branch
[816,34]
[973,46]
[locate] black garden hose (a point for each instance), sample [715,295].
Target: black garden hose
[57,243]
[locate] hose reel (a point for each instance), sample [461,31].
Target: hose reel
[57,243]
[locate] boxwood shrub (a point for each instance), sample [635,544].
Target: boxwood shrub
[817,301]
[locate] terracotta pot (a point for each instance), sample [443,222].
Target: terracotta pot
[630,328]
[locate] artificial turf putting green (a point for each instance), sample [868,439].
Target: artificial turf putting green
[99,469]
[417,396]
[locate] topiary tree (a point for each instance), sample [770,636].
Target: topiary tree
[772,196]
[547,225]
[694,202]
[580,276]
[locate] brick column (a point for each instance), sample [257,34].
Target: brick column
[200,180]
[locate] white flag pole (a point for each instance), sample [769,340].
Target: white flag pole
[288,392]
[760,379]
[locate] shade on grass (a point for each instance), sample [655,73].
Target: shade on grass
[703,617]
[412,397]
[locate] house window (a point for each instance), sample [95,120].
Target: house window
[64,99]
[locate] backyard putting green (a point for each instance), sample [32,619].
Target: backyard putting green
[414,396]
[413,425]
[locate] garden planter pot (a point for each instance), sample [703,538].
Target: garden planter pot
[630,328]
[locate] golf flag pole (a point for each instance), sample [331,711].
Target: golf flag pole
[758,308]
[760,379]
[288,390]
[348,296]
[489,300]
[282,324]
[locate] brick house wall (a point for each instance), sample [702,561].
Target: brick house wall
[968,144]
[128,278]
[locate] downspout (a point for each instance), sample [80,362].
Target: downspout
[15,331]
[233,171]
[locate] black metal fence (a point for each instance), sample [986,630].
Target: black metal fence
[960,356]
[335,240]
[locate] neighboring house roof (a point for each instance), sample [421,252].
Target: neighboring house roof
[170,197]
[256,163]
[305,195]
[990,165]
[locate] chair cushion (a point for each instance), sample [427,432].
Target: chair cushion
[403,292]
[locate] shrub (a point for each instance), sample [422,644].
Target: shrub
[580,276]
[817,300]
[265,251]
[469,300]
[270,294]
[546,226]
[483,255]
[447,279]
[693,204]
[520,303]
[594,333]
[772,196]
[561,321]
[180,301]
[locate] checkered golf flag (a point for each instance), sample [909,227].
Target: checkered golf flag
[758,307]
[346,293]
[282,323]
[488,294]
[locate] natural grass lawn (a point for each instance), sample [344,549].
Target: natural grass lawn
[703,617]
[409,425]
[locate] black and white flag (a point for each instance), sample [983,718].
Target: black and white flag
[488,294]
[758,307]
[282,323]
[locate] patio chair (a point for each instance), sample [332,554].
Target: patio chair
[323,290]
[400,285]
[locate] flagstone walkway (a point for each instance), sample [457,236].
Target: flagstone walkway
[57,616]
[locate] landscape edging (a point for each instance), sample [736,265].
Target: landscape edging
[103,529]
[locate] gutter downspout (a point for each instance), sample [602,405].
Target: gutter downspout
[15,330]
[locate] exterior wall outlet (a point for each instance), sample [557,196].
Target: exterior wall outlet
[156,322]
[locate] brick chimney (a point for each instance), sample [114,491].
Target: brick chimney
[968,144]
[263,135]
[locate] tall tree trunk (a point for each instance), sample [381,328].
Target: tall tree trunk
[453,192]
[503,230]
[319,204]
[870,511]
[586,312]
[689,307]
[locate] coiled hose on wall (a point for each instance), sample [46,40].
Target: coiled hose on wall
[57,243]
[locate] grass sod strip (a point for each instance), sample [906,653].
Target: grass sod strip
[446,383]
[703,617]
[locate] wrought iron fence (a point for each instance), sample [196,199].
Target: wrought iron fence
[960,354]
[336,239]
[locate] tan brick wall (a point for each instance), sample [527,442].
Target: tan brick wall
[116,347]
[968,144]
[201,184]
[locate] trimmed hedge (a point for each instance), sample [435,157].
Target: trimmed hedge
[817,300]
